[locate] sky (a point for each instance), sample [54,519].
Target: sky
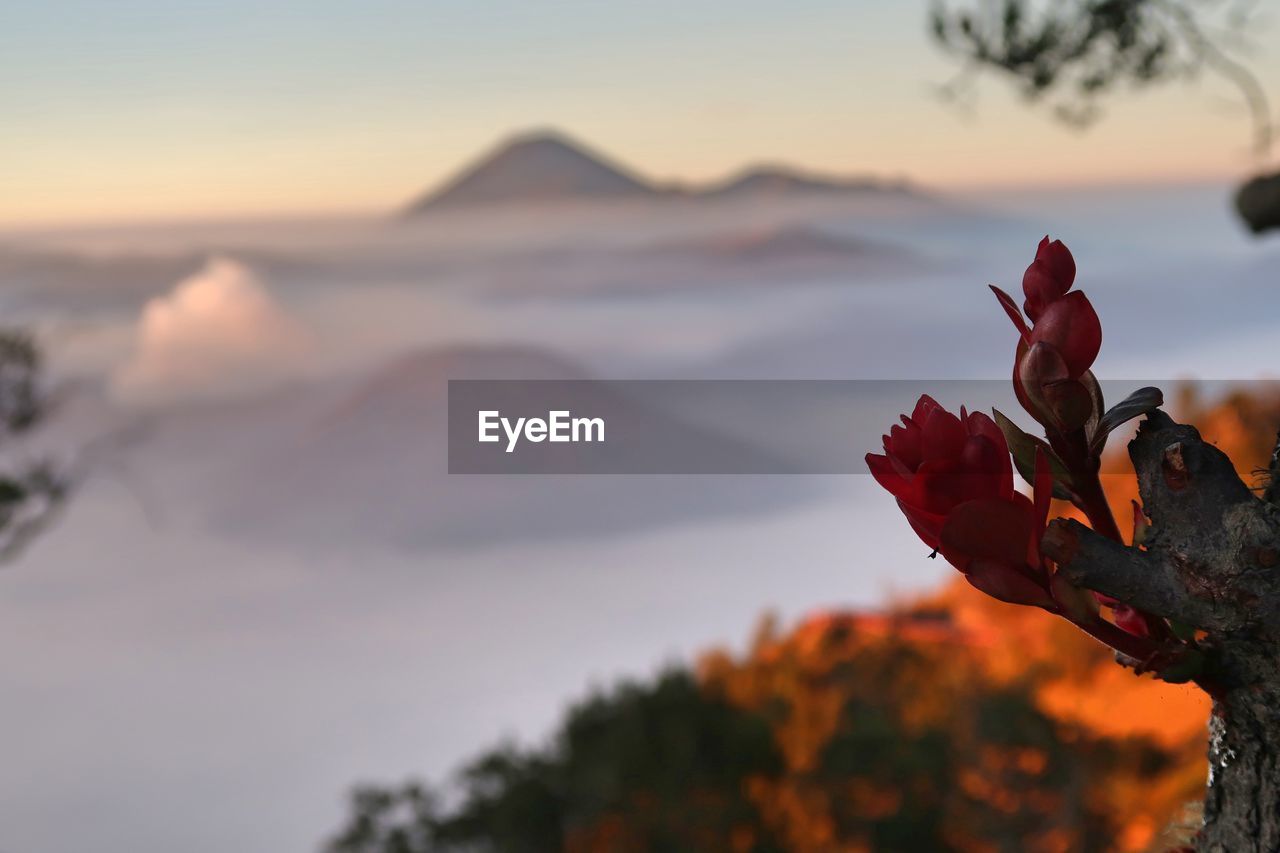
[148,109]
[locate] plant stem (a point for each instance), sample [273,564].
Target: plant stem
[1093,501]
[1094,504]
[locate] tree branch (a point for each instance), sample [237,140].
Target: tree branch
[1180,477]
[1131,575]
[1212,557]
[1255,97]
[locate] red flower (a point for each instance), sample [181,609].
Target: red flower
[936,461]
[953,479]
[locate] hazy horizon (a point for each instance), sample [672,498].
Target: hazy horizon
[154,111]
[997,192]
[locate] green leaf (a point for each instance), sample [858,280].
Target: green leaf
[1140,402]
[1023,446]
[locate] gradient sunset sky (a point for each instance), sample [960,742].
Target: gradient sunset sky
[152,109]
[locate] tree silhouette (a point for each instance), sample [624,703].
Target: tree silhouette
[1075,55]
[655,767]
[30,491]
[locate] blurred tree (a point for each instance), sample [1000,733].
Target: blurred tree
[389,820]
[30,492]
[923,729]
[851,733]
[654,767]
[1075,54]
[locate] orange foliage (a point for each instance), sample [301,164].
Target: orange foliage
[927,668]
[929,658]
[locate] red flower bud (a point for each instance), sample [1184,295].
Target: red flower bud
[1061,345]
[1065,321]
[1048,278]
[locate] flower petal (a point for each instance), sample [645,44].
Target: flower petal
[989,529]
[927,525]
[939,486]
[943,436]
[1006,583]
[924,406]
[887,475]
[1071,326]
[979,423]
[987,466]
[905,444]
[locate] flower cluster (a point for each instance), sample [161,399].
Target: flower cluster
[952,475]
[953,480]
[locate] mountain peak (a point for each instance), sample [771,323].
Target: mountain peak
[535,166]
[547,136]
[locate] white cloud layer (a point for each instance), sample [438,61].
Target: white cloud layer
[217,332]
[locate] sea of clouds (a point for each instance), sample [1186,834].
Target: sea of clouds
[267,587]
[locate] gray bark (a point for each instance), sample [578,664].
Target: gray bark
[1211,561]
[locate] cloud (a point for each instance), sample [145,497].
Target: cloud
[217,332]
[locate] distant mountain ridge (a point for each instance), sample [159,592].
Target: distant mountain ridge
[549,166]
[784,180]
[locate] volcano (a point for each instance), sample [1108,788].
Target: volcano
[542,166]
